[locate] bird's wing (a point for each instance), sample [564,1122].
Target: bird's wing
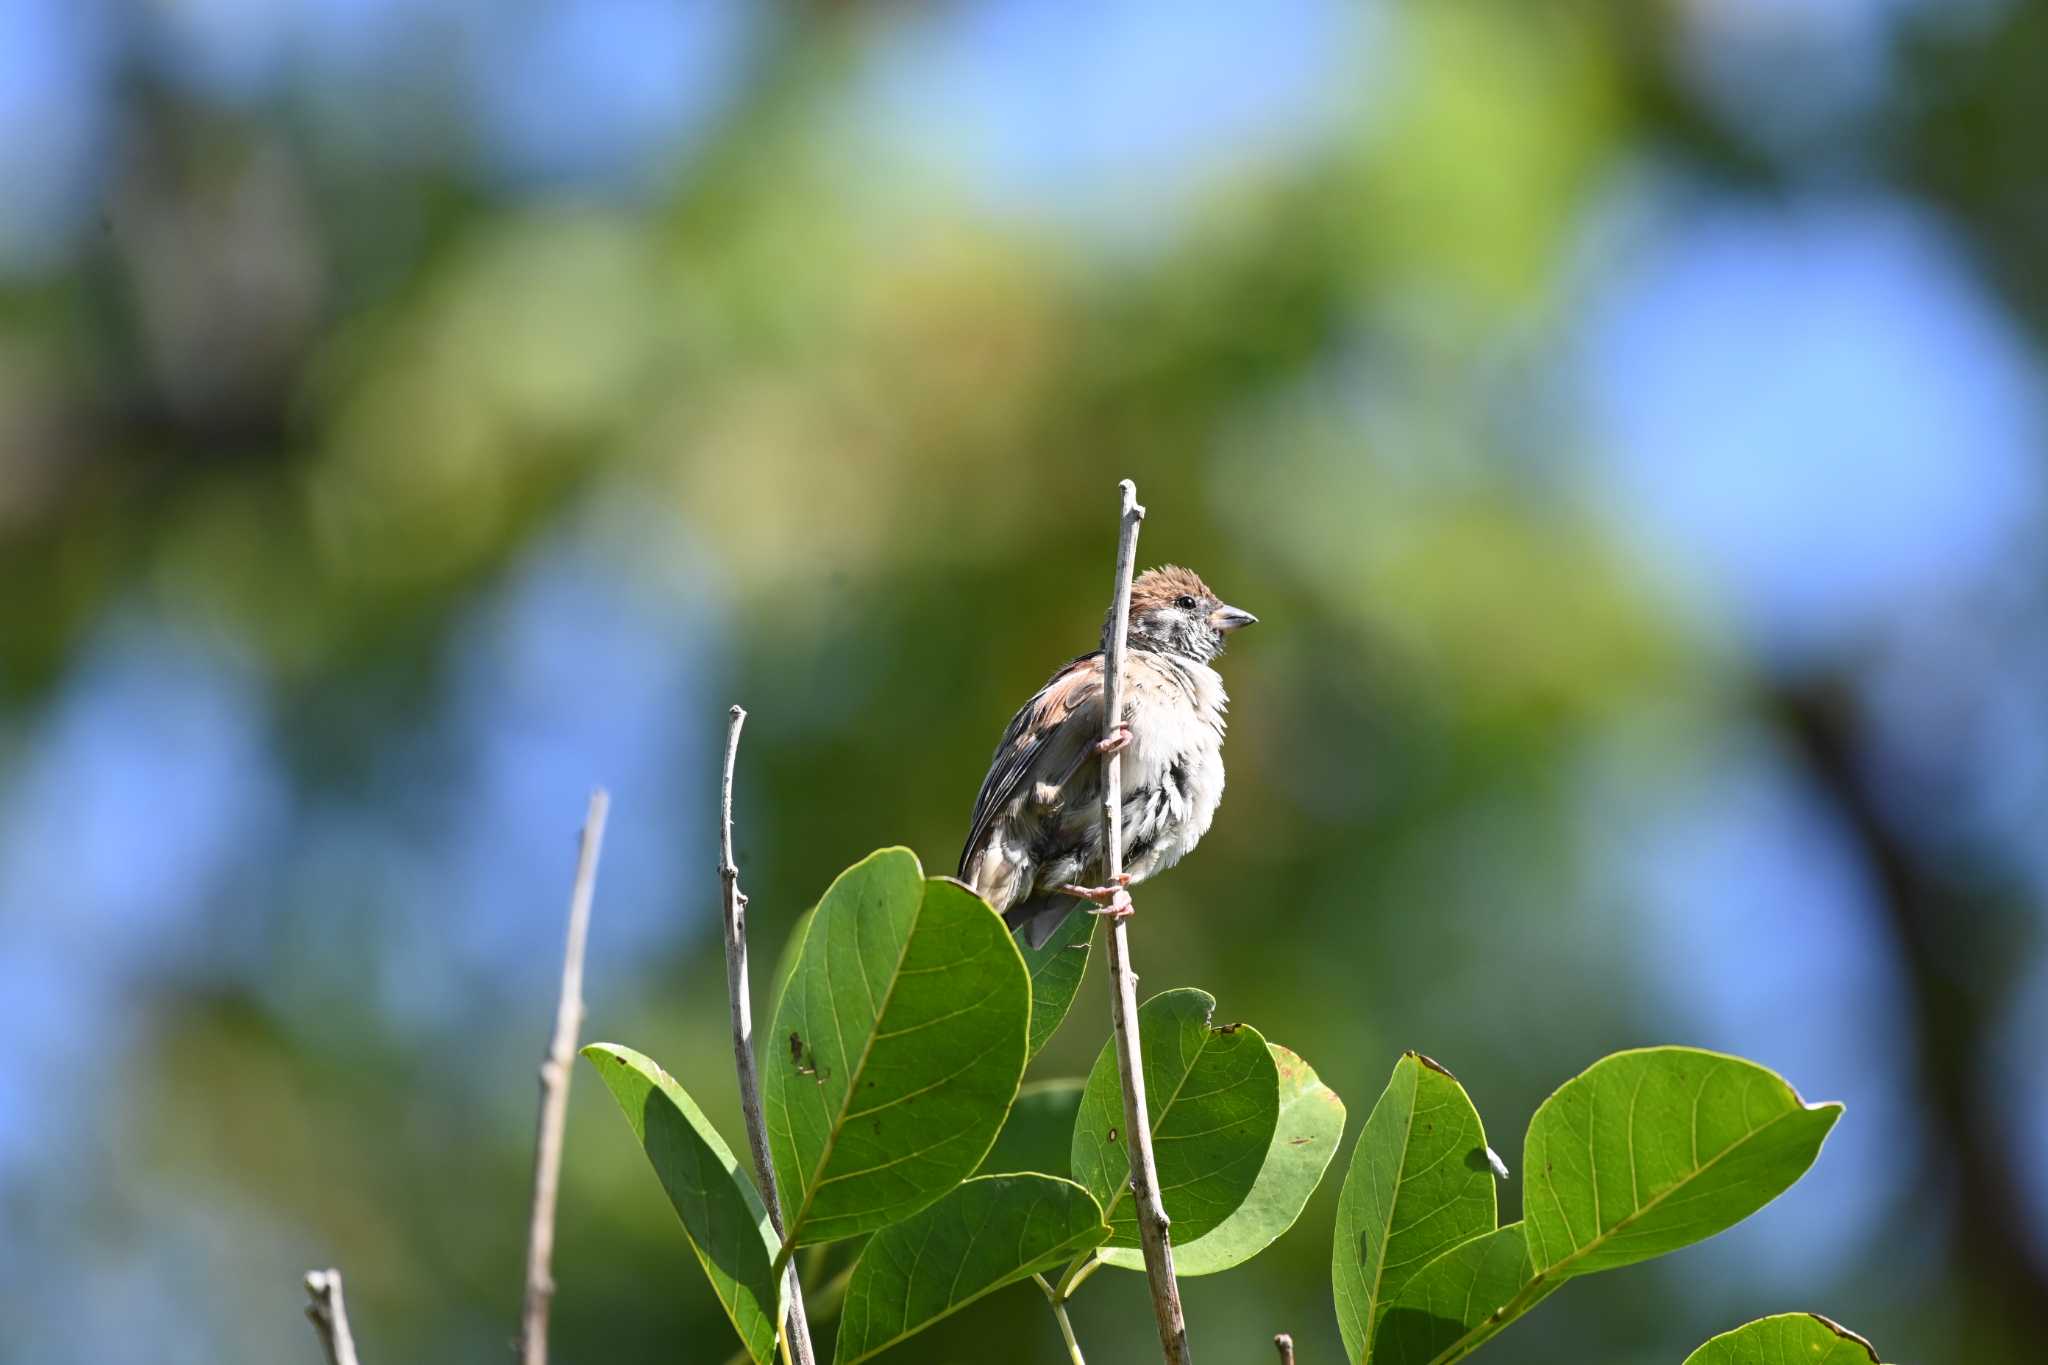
[1048,737]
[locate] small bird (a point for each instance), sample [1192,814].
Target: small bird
[1036,843]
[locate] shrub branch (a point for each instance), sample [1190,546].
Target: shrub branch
[554,1095]
[796,1327]
[1153,1226]
[328,1313]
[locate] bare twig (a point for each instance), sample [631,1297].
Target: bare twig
[554,1094]
[329,1316]
[1284,1344]
[797,1335]
[1152,1222]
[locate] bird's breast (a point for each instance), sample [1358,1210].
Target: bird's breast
[1173,771]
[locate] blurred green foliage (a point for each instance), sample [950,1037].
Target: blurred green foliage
[856,436]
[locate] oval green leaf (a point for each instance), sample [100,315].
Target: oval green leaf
[991,1231]
[1807,1338]
[897,1048]
[1039,1134]
[1459,1300]
[1214,1096]
[1056,971]
[1419,1184]
[1304,1140]
[1648,1151]
[721,1213]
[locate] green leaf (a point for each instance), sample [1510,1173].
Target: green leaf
[1648,1151]
[896,1050]
[1056,972]
[722,1216]
[991,1231]
[1039,1134]
[1214,1096]
[1805,1338]
[1447,1309]
[1306,1137]
[1419,1184]
[785,965]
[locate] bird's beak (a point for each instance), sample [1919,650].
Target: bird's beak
[1227,619]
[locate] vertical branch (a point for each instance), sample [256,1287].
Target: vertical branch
[1284,1344]
[329,1315]
[797,1328]
[1152,1221]
[554,1096]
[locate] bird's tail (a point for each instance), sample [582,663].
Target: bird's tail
[1035,920]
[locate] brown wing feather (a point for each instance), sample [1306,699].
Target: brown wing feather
[1033,734]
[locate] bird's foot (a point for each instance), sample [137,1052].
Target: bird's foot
[1118,741]
[1113,901]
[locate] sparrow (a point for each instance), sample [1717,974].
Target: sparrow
[1035,847]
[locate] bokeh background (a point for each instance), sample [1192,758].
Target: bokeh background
[1628,421]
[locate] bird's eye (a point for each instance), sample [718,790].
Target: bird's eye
[1184,603]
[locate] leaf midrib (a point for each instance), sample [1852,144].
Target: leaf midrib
[1551,1273]
[1602,1238]
[1124,1186]
[1379,1273]
[812,1182]
[1072,1242]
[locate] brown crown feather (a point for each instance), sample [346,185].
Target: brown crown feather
[1158,587]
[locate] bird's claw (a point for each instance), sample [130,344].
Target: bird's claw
[1113,901]
[1116,742]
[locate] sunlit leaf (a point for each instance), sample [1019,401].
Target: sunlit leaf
[989,1232]
[896,1050]
[1647,1151]
[1214,1097]
[1419,1184]
[1787,1339]
[1311,1125]
[721,1213]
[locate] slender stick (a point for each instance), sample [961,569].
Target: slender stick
[329,1315]
[1284,1344]
[1059,1315]
[1152,1222]
[555,1070]
[798,1328]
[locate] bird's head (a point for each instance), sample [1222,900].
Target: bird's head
[1173,612]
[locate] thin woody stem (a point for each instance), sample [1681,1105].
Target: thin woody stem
[328,1312]
[797,1327]
[1153,1232]
[554,1095]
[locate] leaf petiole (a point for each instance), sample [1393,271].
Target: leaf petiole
[1059,1314]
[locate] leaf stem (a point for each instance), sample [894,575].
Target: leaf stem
[1077,1273]
[1525,1298]
[1059,1314]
